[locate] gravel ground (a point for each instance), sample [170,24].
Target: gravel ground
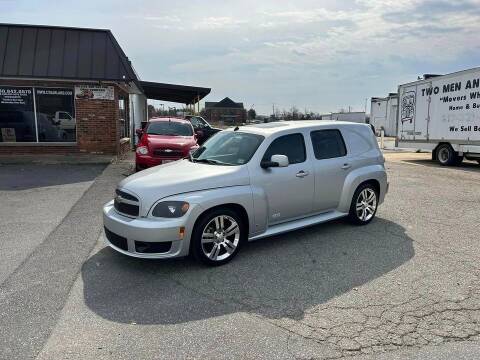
[408,284]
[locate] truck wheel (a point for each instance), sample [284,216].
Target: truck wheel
[364,205]
[218,236]
[446,156]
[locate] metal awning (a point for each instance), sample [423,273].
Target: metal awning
[174,93]
[55,52]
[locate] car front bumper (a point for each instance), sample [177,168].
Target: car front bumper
[151,238]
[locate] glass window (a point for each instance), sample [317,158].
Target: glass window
[55,115]
[198,122]
[17,119]
[169,128]
[228,148]
[123,118]
[291,145]
[328,144]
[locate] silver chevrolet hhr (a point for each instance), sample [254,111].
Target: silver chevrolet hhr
[245,184]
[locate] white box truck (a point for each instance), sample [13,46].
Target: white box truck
[442,114]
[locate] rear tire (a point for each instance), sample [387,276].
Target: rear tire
[218,236]
[446,156]
[364,204]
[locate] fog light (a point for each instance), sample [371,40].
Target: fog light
[181,232]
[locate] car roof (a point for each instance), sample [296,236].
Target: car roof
[166,118]
[270,128]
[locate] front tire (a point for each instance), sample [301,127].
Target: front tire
[364,204]
[218,236]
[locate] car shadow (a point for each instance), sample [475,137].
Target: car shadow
[29,176]
[281,276]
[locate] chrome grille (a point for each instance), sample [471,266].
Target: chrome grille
[172,153]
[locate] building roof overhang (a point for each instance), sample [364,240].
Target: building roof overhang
[173,93]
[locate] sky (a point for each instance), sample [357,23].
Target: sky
[316,55]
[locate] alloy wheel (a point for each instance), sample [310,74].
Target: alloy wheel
[220,238]
[366,204]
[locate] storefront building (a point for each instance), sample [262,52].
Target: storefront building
[225,112]
[69,90]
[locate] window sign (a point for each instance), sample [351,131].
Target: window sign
[55,115]
[37,114]
[94,92]
[17,118]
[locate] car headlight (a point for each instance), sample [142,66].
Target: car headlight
[171,209]
[142,150]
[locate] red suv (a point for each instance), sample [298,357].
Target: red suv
[164,140]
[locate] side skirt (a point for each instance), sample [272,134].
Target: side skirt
[299,224]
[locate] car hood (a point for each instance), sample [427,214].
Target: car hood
[179,177]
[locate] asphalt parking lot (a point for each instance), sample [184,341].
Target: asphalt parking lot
[407,284]
[35,199]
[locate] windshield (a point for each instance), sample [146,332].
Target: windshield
[170,128]
[228,148]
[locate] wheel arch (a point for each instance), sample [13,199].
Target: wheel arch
[237,208]
[374,182]
[374,174]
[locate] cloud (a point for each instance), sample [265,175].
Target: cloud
[320,54]
[217,23]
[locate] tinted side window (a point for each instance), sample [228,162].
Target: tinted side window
[328,144]
[291,145]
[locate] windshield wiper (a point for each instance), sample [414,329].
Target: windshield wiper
[210,161]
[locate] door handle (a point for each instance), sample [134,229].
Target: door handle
[346,166]
[302,174]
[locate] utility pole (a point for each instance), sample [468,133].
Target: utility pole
[273,109]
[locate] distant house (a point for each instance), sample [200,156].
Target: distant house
[226,112]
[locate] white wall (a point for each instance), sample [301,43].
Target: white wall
[391,123]
[357,117]
[383,114]
[138,113]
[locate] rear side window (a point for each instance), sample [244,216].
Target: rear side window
[328,144]
[292,146]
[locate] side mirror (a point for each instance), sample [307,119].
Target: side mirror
[275,161]
[139,132]
[281,160]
